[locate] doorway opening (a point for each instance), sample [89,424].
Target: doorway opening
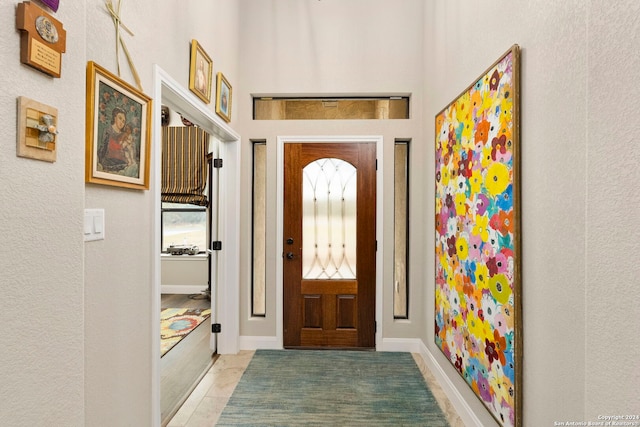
[225,270]
[189,199]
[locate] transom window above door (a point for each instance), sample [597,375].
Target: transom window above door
[315,108]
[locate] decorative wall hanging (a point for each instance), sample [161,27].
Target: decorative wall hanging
[200,71]
[117,22]
[165,115]
[186,121]
[477,230]
[118,131]
[52,4]
[223,97]
[37,130]
[42,39]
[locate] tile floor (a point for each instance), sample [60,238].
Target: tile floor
[209,398]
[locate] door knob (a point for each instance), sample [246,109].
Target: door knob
[290,241]
[290,255]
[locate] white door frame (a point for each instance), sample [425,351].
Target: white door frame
[281,140]
[225,296]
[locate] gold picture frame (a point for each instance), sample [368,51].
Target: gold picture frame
[118,133]
[200,72]
[224,95]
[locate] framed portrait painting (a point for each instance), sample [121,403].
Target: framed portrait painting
[200,72]
[223,97]
[477,237]
[118,134]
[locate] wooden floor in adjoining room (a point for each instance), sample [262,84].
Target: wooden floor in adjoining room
[182,367]
[184,301]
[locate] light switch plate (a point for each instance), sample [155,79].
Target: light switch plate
[93,224]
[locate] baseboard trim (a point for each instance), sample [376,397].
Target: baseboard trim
[457,400]
[407,345]
[182,289]
[246,342]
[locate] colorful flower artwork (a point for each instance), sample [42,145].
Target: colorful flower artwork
[477,252]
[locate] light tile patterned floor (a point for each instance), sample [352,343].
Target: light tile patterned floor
[204,406]
[208,399]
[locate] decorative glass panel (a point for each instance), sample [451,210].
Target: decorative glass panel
[329,220]
[258,301]
[401,233]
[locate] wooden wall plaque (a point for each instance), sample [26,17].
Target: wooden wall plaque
[37,130]
[42,40]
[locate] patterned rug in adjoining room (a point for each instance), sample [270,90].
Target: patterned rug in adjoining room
[177,323]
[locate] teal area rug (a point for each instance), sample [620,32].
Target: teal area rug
[329,387]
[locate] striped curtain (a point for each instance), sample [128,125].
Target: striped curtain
[184,165]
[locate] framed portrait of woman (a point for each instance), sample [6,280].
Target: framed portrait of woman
[200,71]
[118,134]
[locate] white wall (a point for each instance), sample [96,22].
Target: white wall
[41,254]
[328,47]
[579,216]
[118,269]
[76,359]
[79,348]
[184,274]
[612,315]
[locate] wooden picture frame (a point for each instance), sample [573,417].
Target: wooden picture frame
[478,301]
[118,133]
[200,72]
[224,96]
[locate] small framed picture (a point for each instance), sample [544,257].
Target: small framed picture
[118,134]
[223,97]
[200,72]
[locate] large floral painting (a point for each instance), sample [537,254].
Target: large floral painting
[477,297]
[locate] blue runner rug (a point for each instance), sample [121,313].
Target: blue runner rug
[329,387]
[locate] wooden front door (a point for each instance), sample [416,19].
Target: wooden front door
[329,245]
